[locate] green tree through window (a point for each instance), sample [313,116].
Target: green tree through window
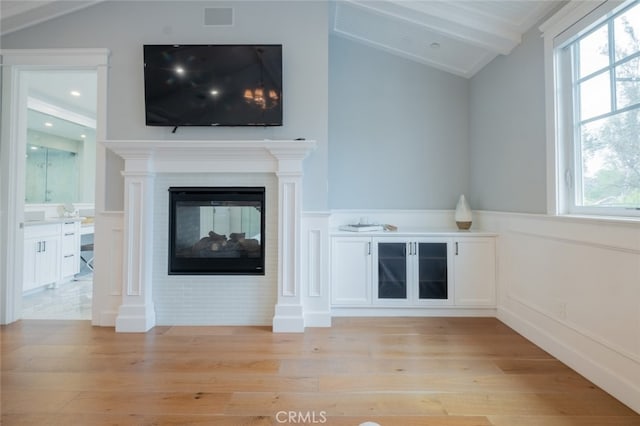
[606,93]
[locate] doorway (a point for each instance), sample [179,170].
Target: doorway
[18,67]
[60,157]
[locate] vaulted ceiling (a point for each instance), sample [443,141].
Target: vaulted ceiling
[457,36]
[18,14]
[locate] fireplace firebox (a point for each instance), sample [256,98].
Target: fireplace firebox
[216,230]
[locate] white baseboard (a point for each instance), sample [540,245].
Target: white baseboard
[578,359]
[135,318]
[105,319]
[288,319]
[317,319]
[413,312]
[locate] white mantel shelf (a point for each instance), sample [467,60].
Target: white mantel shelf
[227,156]
[144,159]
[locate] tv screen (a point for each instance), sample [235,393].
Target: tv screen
[213,85]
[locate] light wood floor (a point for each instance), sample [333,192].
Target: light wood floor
[400,371]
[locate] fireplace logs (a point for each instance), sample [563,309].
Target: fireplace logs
[216,245]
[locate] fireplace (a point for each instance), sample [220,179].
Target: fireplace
[181,161]
[216,230]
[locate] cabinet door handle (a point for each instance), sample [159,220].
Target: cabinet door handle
[68,255]
[44,246]
[39,247]
[415,249]
[369,249]
[66,234]
[456,248]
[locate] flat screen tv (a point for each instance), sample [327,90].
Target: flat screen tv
[213,85]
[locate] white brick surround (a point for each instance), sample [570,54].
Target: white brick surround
[214,299]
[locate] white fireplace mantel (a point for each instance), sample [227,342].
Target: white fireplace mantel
[229,156]
[144,158]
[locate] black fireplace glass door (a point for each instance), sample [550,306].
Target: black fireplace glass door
[216,231]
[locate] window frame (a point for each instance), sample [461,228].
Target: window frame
[574,21]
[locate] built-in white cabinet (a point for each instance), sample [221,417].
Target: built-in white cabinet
[413,271]
[51,253]
[351,271]
[70,249]
[41,256]
[475,271]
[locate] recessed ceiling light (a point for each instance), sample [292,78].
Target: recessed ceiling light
[75,93]
[435,45]
[83,136]
[48,124]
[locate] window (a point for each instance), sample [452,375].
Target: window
[597,82]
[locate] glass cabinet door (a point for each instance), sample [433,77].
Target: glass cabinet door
[392,270]
[432,271]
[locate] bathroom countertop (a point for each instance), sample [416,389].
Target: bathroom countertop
[52,220]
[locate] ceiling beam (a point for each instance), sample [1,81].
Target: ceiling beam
[449,20]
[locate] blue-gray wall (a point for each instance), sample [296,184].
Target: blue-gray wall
[392,134]
[507,142]
[124,26]
[398,131]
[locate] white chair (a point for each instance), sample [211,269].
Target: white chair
[89,248]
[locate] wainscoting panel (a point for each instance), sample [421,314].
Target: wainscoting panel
[572,286]
[583,285]
[107,282]
[314,264]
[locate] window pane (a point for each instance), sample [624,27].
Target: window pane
[628,83]
[594,52]
[595,96]
[610,166]
[627,31]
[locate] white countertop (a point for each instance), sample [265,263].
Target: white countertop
[53,220]
[423,232]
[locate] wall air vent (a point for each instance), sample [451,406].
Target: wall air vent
[218,16]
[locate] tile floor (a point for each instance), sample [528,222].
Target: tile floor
[71,300]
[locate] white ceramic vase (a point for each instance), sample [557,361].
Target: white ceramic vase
[463,215]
